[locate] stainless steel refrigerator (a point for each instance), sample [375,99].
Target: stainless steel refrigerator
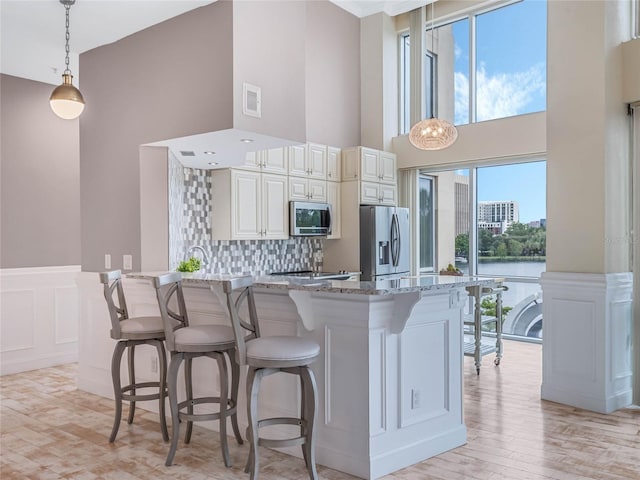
[384,242]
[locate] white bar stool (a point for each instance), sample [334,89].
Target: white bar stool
[186,342]
[266,356]
[131,332]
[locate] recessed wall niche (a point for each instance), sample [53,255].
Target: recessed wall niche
[190,225]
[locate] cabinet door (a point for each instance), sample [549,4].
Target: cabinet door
[274,160]
[298,188]
[298,160]
[245,205]
[333,164]
[275,211]
[369,193]
[387,167]
[317,190]
[253,161]
[350,164]
[333,199]
[369,159]
[388,194]
[317,161]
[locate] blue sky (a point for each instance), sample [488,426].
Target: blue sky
[524,183]
[511,80]
[511,62]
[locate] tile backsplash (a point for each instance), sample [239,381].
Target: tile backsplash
[190,225]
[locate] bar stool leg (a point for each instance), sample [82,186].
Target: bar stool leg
[117,387]
[189,390]
[224,405]
[162,389]
[174,366]
[254,377]
[131,352]
[310,406]
[235,382]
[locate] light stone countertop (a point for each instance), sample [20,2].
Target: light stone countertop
[381,287]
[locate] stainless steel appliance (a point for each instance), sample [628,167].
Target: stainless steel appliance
[309,219]
[384,242]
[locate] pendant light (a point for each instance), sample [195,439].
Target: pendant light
[433,133]
[66,100]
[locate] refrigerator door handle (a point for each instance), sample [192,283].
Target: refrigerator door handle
[395,240]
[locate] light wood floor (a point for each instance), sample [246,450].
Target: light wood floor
[51,430]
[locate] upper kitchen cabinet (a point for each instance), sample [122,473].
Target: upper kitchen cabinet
[249,205]
[334,164]
[274,160]
[308,161]
[369,165]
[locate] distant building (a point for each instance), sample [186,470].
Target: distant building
[534,224]
[461,193]
[497,216]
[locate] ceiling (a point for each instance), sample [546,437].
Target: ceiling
[32,31]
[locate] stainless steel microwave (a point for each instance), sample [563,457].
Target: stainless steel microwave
[308,219]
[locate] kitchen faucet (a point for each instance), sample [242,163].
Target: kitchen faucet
[193,248]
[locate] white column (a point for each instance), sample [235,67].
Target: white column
[587,287]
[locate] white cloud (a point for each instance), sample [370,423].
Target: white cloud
[501,95]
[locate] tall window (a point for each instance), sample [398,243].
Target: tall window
[405,85]
[490,64]
[505,238]
[427,224]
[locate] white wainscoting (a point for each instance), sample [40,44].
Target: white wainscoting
[38,317]
[587,359]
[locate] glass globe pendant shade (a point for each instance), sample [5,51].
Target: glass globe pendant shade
[433,134]
[66,100]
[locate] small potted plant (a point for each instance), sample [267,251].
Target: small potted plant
[451,270]
[191,265]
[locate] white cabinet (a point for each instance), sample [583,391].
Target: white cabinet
[249,205]
[333,199]
[308,161]
[334,164]
[307,189]
[378,193]
[274,160]
[369,165]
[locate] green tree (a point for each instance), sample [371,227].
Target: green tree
[485,243]
[501,249]
[515,247]
[462,245]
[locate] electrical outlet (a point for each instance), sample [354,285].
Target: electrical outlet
[107,261]
[154,365]
[127,262]
[415,398]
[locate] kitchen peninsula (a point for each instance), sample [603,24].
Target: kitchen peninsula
[390,371]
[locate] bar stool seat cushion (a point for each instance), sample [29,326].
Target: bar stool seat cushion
[195,335]
[143,325]
[271,351]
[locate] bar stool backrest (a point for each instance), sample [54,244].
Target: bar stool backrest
[117,310]
[243,329]
[172,306]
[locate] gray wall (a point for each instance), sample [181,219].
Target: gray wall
[177,78]
[40,184]
[332,75]
[170,80]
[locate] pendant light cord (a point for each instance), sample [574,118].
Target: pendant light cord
[67,7]
[433,62]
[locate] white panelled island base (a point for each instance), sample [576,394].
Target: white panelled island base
[389,374]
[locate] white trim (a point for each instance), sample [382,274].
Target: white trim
[39,322]
[586,355]
[40,270]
